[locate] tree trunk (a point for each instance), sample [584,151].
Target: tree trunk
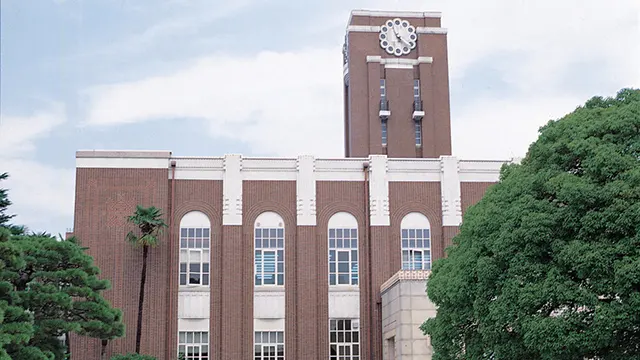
[143,279]
[103,350]
[67,339]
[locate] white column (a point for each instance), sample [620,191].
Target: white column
[379,190]
[450,190]
[306,190]
[232,190]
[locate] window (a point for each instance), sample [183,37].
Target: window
[383,124]
[383,89]
[193,345]
[418,130]
[416,242]
[269,345]
[195,243]
[269,250]
[343,249]
[416,90]
[344,339]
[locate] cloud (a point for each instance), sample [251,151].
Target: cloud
[277,102]
[42,196]
[285,103]
[17,133]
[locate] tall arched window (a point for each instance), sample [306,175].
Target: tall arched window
[416,242]
[195,242]
[269,249]
[343,249]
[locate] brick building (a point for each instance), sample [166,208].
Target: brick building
[297,258]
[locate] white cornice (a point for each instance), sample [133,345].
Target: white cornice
[401,14]
[363,28]
[399,63]
[376,29]
[431,30]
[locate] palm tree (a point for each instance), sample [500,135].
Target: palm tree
[149,222]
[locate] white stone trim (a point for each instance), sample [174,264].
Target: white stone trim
[390,62]
[379,190]
[363,28]
[343,220]
[344,304]
[347,169]
[401,14]
[415,220]
[426,170]
[268,324]
[122,163]
[193,305]
[232,190]
[450,191]
[269,304]
[384,114]
[480,171]
[431,30]
[200,168]
[306,191]
[195,219]
[269,169]
[418,275]
[194,325]
[270,220]
[398,66]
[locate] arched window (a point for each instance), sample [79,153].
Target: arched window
[416,242]
[269,249]
[195,242]
[343,249]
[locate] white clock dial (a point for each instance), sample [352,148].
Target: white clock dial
[397,37]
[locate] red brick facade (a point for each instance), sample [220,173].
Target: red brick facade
[305,192]
[106,196]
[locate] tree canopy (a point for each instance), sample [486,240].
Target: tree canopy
[48,288]
[547,264]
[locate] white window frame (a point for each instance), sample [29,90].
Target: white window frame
[344,340]
[383,89]
[415,238]
[337,238]
[185,256]
[275,342]
[203,344]
[269,229]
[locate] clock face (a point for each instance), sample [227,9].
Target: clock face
[398,37]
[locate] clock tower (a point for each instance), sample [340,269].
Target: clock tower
[396,85]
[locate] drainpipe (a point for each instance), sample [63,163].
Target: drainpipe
[367,224]
[171,340]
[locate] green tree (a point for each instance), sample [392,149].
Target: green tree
[59,285]
[16,324]
[149,222]
[4,203]
[547,264]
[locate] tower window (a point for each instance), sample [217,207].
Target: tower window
[383,89]
[383,125]
[418,131]
[416,90]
